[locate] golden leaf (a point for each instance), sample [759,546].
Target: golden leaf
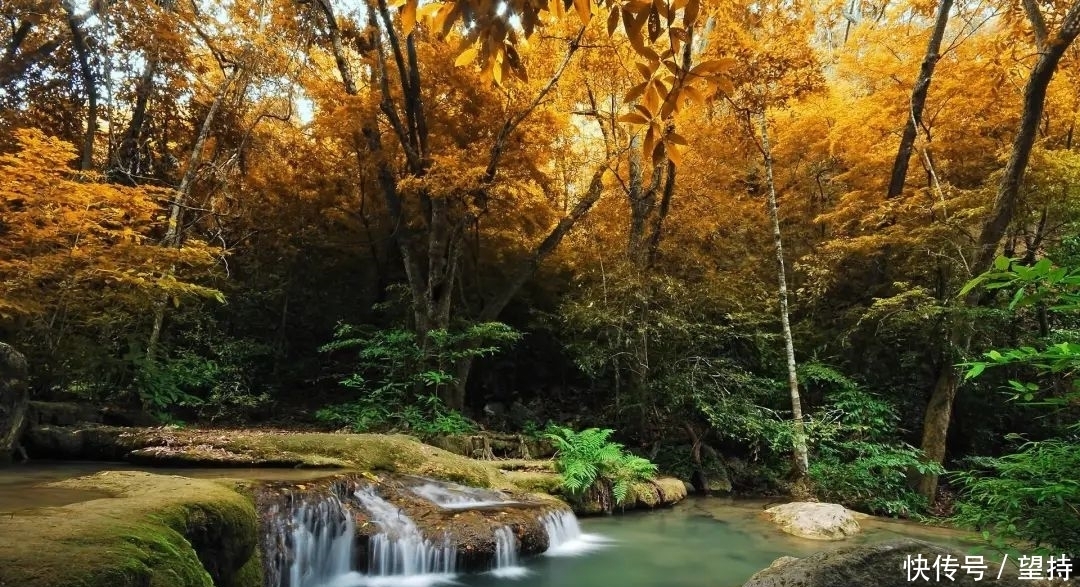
[633,118]
[645,71]
[675,152]
[613,20]
[408,16]
[713,66]
[693,7]
[635,92]
[584,10]
[467,56]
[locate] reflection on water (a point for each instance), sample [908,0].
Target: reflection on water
[702,542]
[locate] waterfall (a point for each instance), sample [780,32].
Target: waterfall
[400,548]
[565,537]
[452,496]
[506,555]
[313,546]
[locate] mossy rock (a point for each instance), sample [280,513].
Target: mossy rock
[155,531]
[659,492]
[249,448]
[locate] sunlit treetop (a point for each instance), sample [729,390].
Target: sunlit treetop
[660,31]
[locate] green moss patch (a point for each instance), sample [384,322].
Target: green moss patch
[155,531]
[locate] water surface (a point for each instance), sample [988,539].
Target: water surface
[702,542]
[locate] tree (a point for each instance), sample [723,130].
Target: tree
[1051,49]
[799,437]
[918,100]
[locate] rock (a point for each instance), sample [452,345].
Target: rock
[250,448]
[877,565]
[61,414]
[816,521]
[362,452]
[660,492]
[158,530]
[783,561]
[13,400]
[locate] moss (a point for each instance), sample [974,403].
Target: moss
[155,530]
[536,481]
[525,465]
[366,452]
[249,575]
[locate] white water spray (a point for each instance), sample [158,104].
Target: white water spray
[320,537]
[400,548]
[565,537]
[505,565]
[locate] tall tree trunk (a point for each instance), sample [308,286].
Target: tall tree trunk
[126,164]
[799,442]
[519,277]
[89,81]
[939,409]
[918,100]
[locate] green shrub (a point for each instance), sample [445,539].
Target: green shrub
[857,461]
[585,457]
[399,377]
[1032,495]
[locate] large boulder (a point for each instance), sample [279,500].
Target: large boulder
[898,563]
[815,521]
[152,530]
[13,399]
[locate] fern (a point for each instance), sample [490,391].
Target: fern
[586,457]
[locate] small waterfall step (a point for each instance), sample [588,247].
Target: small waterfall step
[400,548]
[452,496]
[506,564]
[565,537]
[311,547]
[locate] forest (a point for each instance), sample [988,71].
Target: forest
[827,248]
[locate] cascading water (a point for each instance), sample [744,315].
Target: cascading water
[454,497]
[505,564]
[313,546]
[565,537]
[313,538]
[400,548]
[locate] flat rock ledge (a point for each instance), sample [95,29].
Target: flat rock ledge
[815,521]
[192,447]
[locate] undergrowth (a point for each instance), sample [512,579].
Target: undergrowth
[589,456]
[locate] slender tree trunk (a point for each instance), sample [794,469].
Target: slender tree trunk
[496,304]
[126,164]
[86,71]
[918,100]
[939,409]
[174,232]
[799,442]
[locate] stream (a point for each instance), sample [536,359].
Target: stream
[702,542]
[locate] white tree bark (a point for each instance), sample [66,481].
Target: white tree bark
[799,441]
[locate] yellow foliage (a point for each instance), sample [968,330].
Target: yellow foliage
[70,239]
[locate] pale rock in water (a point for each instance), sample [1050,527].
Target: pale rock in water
[816,521]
